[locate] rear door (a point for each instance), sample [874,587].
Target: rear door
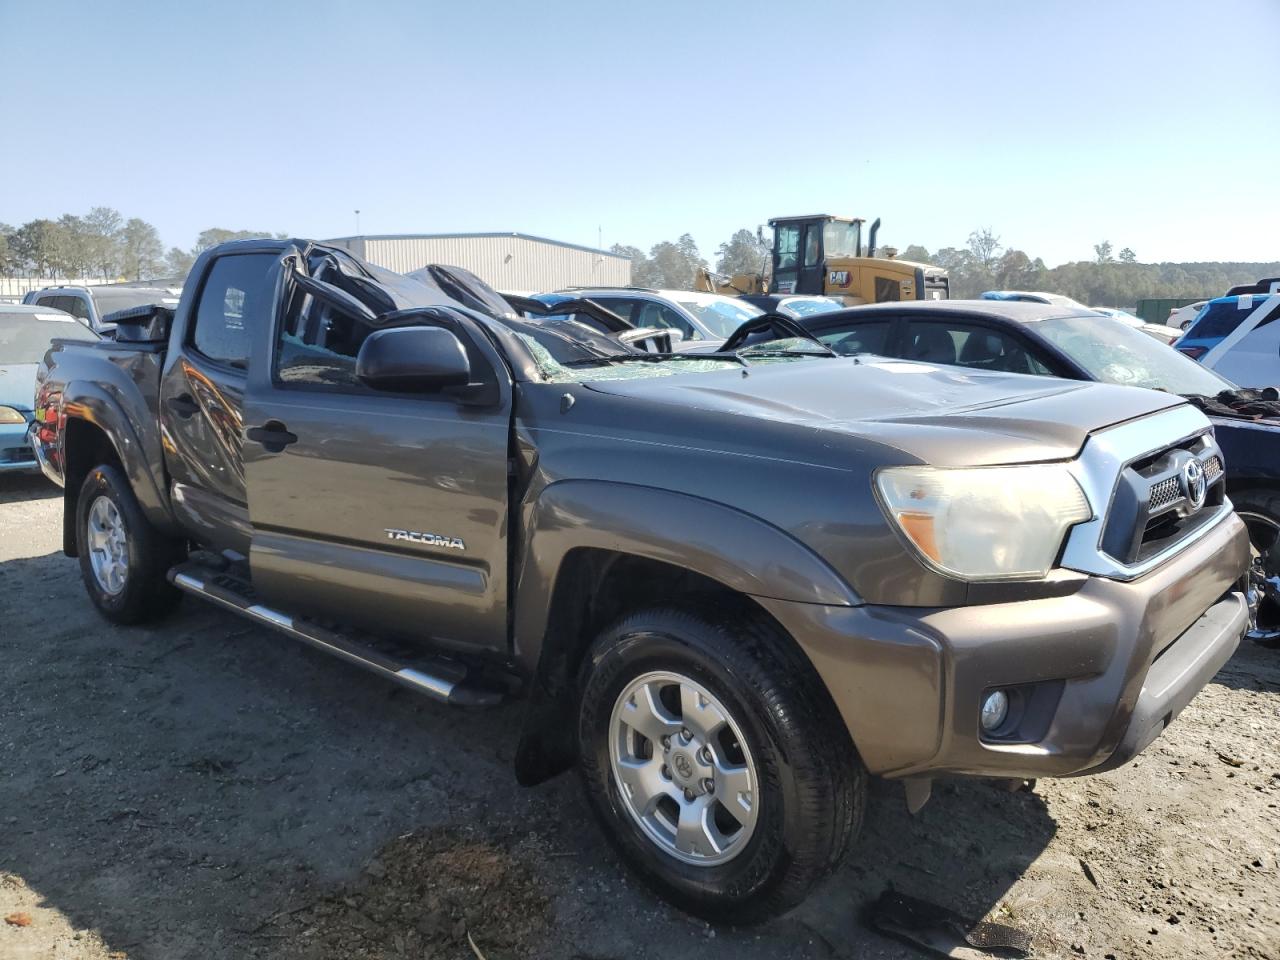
[385,511]
[202,396]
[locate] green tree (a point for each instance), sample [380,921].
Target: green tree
[216,235]
[676,263]
[916,253]
[177,262]
[1128,256]
[77,247]
[985,247]
[101,243]
[141,251]
[8,258]
[1017,271]
[744,252]
[643,273]
[36,246]
[1102,251]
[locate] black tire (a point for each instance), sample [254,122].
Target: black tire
[1259,507]
[146,594]
[812,784]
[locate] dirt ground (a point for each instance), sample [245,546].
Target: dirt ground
[209,789]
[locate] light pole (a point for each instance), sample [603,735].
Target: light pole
[357,223]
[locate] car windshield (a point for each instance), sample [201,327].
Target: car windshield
[808,306]
[1115,353]
[841,239]
[720,315]
[111,300]
[25,337]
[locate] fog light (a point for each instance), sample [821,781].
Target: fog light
[994,709]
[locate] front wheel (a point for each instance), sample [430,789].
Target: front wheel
[1259,508]
[123,558]
[716,762]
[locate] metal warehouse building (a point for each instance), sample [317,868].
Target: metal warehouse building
[507,261]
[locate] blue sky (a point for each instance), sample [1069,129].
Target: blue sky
[1150,123]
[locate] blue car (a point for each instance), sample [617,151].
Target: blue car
[1237,336]
[1212,324]
[25,335]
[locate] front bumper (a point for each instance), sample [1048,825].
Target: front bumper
[1111,664]
[16,455]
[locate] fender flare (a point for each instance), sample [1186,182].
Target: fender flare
[746,554]
[87,401]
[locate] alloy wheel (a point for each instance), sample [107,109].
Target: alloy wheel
[108,546]
[683,768]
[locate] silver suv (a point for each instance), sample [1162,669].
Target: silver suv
[705,319]
[91,304]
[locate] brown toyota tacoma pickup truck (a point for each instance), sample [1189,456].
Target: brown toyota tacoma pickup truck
[729,586]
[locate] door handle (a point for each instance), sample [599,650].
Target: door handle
[184,406]
[273,435]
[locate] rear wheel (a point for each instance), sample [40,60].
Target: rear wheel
[716,762]
[123,558]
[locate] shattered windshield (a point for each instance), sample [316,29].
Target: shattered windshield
[557,365]
[1115,353]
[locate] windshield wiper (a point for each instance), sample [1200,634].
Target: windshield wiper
[655,357]
[826,352]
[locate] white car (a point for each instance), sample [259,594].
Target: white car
[705,319]
[1182,317]
[1154,330]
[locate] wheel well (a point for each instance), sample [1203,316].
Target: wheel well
[85,445]
[596,587]
[593,589]
[1236,484]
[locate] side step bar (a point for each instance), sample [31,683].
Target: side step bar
[440,680]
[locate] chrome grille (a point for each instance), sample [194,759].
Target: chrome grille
[1165,493]
[1212,467]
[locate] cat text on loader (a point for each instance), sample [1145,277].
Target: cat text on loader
[824,255]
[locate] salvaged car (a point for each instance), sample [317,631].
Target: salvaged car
[25,335]
[730,585]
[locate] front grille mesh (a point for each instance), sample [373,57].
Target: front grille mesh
[1212,467]
[1165,492]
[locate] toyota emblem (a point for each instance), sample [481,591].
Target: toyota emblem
[1194,487]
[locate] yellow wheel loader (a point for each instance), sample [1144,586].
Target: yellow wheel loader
[823,255]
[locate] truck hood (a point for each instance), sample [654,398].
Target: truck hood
[18,385]
[940,415]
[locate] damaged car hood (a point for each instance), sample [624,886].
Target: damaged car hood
[959,416]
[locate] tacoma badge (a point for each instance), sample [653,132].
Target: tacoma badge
[426,539]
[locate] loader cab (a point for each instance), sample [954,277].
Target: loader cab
[803,245]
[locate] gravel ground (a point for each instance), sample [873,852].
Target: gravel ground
[208,789]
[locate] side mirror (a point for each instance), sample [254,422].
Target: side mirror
[413,360]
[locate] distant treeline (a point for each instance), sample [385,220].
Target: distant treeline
[102,244]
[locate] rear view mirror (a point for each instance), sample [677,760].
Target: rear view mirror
[413,360]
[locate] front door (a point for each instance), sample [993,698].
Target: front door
[386,511]
[202,397]
[812,277]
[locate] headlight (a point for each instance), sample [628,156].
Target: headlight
[10,415]
[984,523]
